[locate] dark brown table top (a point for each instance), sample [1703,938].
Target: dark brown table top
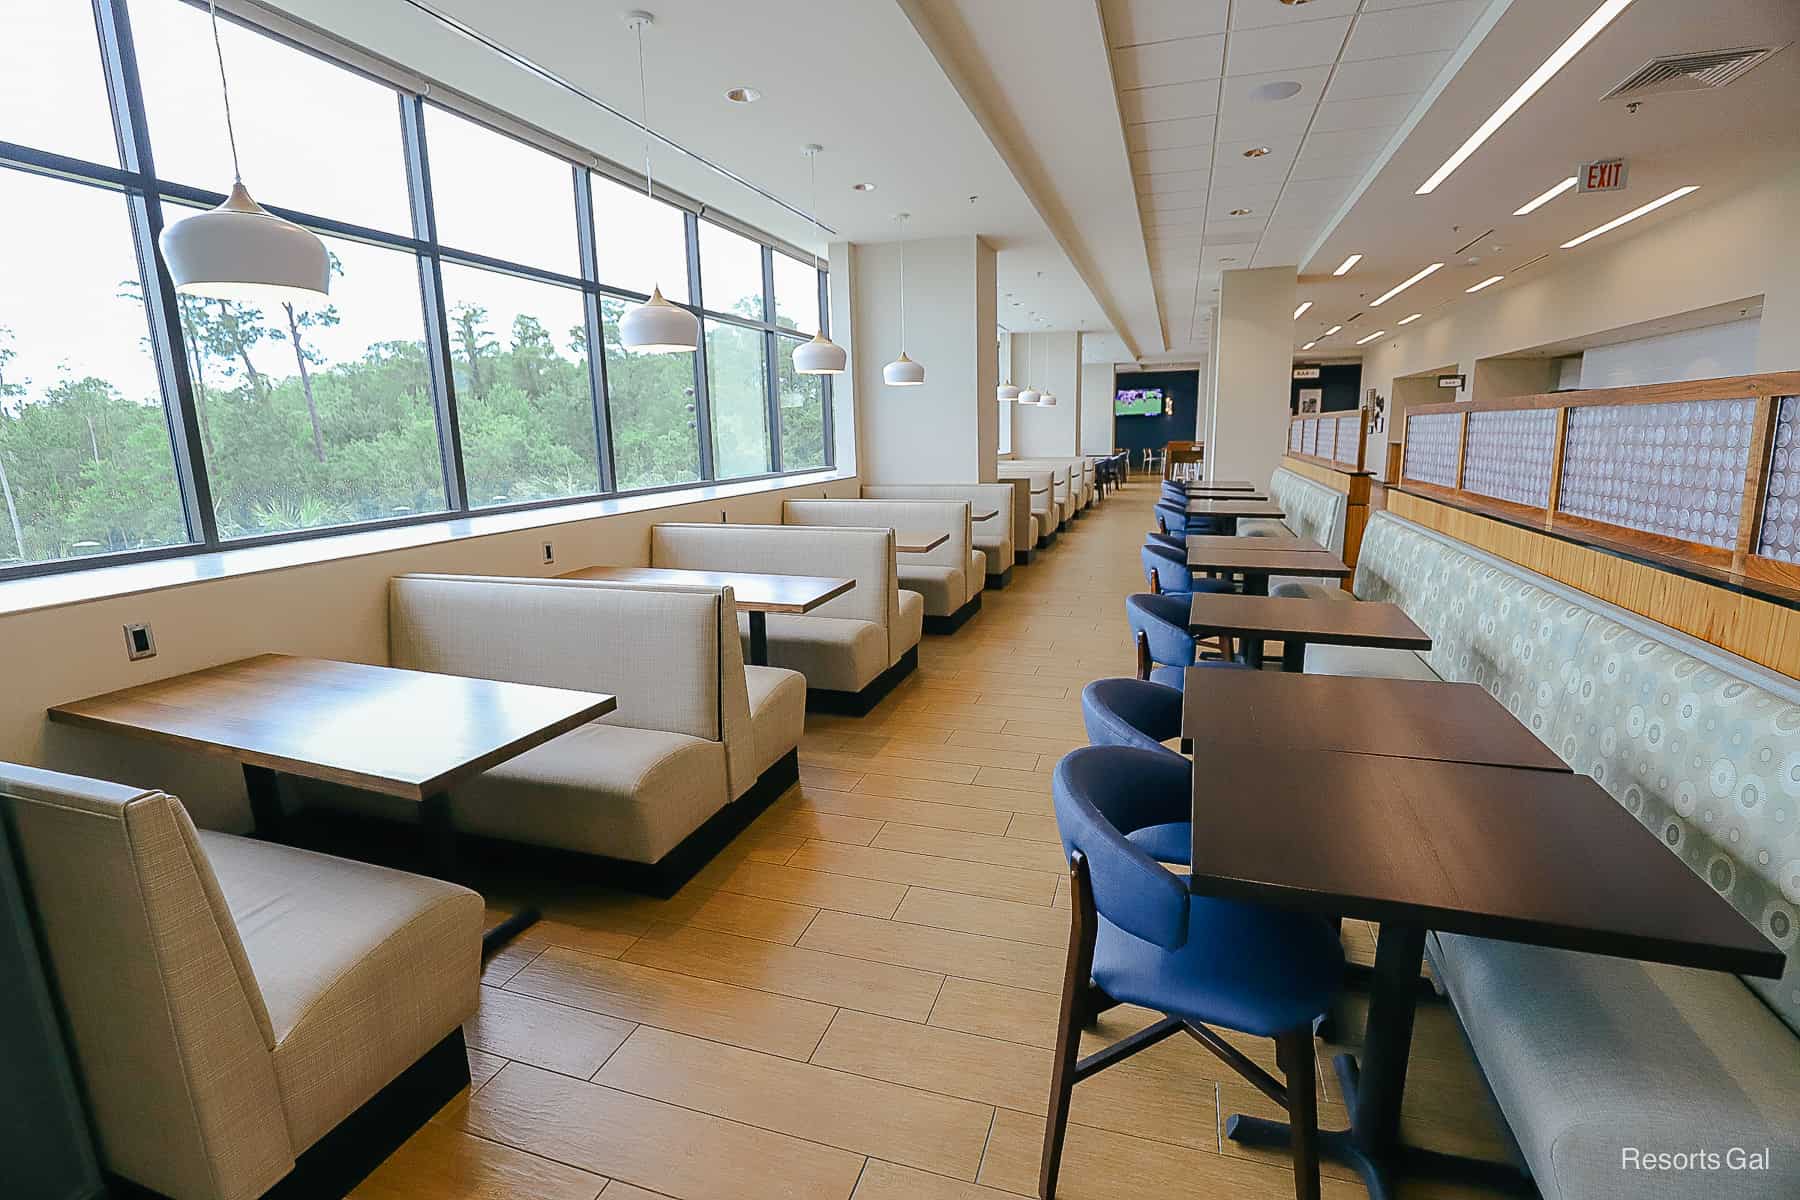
[1234,508]
[1225,494]
[1228,541]
[985,515]
[1309,619]
[1249,558]
[402,733]
[1229,485]
[909,542]
[753,592]
[1539,857]
[1399,718]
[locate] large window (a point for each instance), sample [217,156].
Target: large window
[467,357]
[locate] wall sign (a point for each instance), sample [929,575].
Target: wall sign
[1602,175]
[1306,372]
[1453,382]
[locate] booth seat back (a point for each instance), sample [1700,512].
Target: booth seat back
[166,1020]
[1006,502]
[1040,487]
[1701,746]
[671,654]
[865,555]
[917,516]
[1313,510]
[1058,470]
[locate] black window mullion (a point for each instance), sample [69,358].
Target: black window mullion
[595,330]
[772,366]
[162,306]
[702,392]
[431,288]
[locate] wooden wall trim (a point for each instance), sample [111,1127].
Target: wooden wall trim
[1356,487]
[1759,630]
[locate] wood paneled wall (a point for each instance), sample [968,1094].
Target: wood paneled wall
[1355,485]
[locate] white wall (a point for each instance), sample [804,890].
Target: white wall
[1096,408]
[1706,353]
[1252,381]
[947,430]
[1741,247]
[1051,360]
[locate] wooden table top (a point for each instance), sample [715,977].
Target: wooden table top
[1248,558]
[1224,485]
[989,515]
[1230,541]
[1399,718]
[1310,619]
[754,593]
[909,542]
[1234,508]
[1539,857]
[1194,493]
[402,733]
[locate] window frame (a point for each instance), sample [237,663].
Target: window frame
[146,195]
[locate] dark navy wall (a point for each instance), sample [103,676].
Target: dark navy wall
[1146,433]
[1342,383]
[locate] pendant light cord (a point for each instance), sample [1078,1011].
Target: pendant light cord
[643,112]
[212,8]
[901,222]
[812,161]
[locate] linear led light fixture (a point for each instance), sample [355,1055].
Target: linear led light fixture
[1559,58]
[1344,267]
[1490,281]
[1363,340]
[1633,215]
[1329,332]
[1404,284]
[1301,311]
[1309,345]
[1410,320]
[1544,198]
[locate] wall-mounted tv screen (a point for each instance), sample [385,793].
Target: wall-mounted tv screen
[1138,402]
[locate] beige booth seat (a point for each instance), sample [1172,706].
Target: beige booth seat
[231,1001]
[1077,475]
[640,784]
[950,577]
[1041,491]
[993,538]
[851,649]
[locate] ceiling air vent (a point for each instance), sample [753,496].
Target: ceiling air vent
[1689,72]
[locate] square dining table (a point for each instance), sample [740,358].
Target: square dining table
[1298,621]
[1533,856]
[394,732]
[1258,558]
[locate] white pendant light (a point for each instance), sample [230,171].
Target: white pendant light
[240,251]
[903,371]
[655,326]
[1007,393]
[821,356]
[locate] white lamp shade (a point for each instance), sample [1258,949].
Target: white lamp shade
[903,372]
[1030,395]
[659,327]
[1048,400]
[821,356]
[241,251]
[1008,392]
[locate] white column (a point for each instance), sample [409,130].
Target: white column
[1253,374]
[1097,408]
[947,429]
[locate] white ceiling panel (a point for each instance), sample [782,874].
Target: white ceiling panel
[1132,22]
[1245,114]
[1181,61]
[1406,74]
[1170,102]
[1260,199]
[1413,30]
[1347,141]
[1174,158]
[1255,16]
[1170,135]
[1321,162]
[1154,183]
[1171,201]
[1284,47]
[1370,112]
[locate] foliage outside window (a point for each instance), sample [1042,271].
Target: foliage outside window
[737,376]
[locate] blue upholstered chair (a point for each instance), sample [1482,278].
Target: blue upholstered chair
[1169,574]
[1164,539]
[1165,648]
[1137,712]
[1172,518]
[1137,936]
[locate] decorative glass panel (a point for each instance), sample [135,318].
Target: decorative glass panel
[1510,454]
[1347,430]
[1328,432]
[1312,436]
[1295,429]
[1431,444]
[1780,536]
[1672,469]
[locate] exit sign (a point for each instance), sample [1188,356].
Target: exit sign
[1606,175]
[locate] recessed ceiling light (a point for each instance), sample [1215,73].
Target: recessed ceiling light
[1559,58]
[1279,89]
[862,187]
[1545,197]
[1344,267]
[1301,311]
[1330,331]
[1404,284]
[1633,215]
[743,95]
[1256,152]
[1490,281]
[1363,341]
[1309,345]
[1240,212]
[1411,319]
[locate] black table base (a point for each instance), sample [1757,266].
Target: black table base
[1373,1092]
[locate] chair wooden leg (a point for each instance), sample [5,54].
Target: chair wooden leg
[1294,1054]
[1143,655]
[1077,981]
